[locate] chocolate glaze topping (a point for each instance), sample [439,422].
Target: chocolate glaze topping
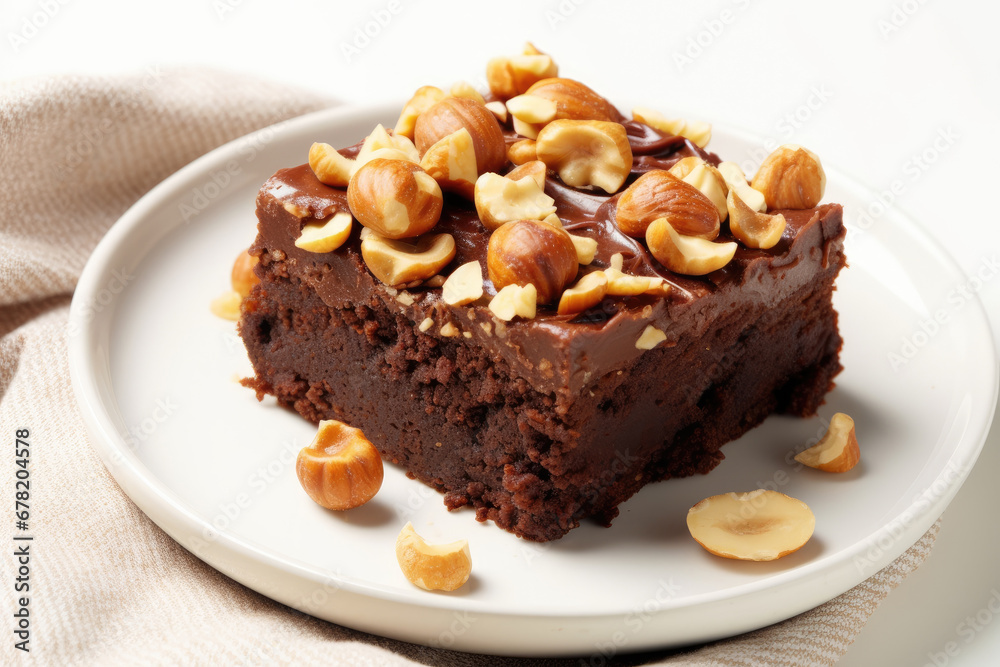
[602,337]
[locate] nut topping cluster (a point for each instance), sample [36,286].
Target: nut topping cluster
[500,149]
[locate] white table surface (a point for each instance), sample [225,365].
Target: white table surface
[870,86]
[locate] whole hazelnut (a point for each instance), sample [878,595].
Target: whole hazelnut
[454,113]
[530,251]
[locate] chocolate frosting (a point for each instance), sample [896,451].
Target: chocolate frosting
[558,354]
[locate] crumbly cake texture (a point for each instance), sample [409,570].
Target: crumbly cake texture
[540,423]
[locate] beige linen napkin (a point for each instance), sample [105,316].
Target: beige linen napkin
[107,585]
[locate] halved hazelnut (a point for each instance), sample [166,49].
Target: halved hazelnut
[467,91]
[500,199]
[523,151]
[535,170]
[660,194]
[514,301]
[685,166]
[586,248]
[710,183]
[394,198]
[464,285]
[512,75]
[403,262]
[753,229]
[243,278]
[530,251]
[700,133]
[452,163]
[686,255]
[325,235]
[340,469]
[455,113]
[791,177]
[586,153]
[650,338]
[837,451]
[623,284]
[572,100]
[422,100]
[498,109]
[760,525]
[526,129]
[587,292]
[330,167]
[432,567]
[531,108]
[381,144]
[736,180]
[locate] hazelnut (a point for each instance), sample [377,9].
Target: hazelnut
[572,100]
[455,113]
[521,152]
[530,251]
[622,284]
[394,198]
[340,469]
[227,305]
[686,255]
[659,194]
[243,278]
[586,153]
[514,301]
[650,338]
[381,144]
[325,235]
[465,90]
[422,100]
[500,199]
[403,262]
[452,163]
[586,247]
[330,167]
[498,109]
[699,133]
[710,183]
[464,285]
[753,229]
[531,108]
[534,169]
[760,525]
[432,567]
[586,293]
[837,451]
[512,75]
[790,177]
[736,180]
[685,165]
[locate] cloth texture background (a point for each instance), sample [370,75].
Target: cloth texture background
[108,586]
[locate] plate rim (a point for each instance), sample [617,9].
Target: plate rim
[140,480]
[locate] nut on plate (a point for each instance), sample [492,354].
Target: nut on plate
[837,451]
[340,469]
[760,525]
[790,177]
[432,567]
[398,262]
[500,199]
[394,198]
[586,153]
[659,194]
[243,278]
[530,251]
[753,229]
[455,113]
[325,235]
[686,255]
[508,76]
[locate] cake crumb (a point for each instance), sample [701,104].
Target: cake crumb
[426,324]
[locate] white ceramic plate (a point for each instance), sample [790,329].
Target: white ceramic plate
[154,373]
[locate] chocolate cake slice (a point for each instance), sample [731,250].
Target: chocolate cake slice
[540,422]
